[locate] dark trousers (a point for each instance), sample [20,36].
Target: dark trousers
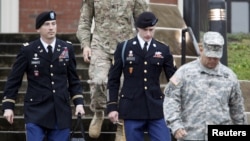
[37,133]
[157,130]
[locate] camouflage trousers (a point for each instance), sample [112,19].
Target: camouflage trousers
[100,64]
[98,71]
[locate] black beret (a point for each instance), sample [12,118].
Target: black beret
[146,19]
[45,16]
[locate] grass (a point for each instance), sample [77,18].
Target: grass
[238,51]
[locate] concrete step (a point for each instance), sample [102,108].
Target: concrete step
[169,28]
[168,15]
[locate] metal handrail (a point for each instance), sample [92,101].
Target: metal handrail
[183,43]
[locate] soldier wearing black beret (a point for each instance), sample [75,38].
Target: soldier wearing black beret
[146,19]
[140,102]
[45,16]
[50,66]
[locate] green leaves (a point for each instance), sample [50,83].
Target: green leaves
[239,54]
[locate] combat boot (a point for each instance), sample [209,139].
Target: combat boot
[96,124]
[120,133]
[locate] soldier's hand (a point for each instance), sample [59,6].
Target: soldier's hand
[180,133]
[9,115]
[86,54]
[79,109]
[113,117]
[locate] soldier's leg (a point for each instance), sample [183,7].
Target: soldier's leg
[134,129]
[158,130]
[98,72]
[97,105]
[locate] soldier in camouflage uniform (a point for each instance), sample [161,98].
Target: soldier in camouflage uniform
[113,20]
[203,92]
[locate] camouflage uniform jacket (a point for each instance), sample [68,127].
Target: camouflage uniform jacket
[197,97]
[113,21]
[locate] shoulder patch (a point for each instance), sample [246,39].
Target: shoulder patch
[69,42]
[174,80]
[25,44]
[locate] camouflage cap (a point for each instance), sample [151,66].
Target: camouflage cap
[213,44]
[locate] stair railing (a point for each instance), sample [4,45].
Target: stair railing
[184,46]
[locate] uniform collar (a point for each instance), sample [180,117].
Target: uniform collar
[141,41]
[53,44]
[215,71]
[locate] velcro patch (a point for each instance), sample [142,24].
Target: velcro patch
[174,80]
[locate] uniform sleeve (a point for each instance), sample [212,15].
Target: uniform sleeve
[114,80]
[14,81]
[85,22]
[169,66]
[236,104]
[172,102]
[75,87]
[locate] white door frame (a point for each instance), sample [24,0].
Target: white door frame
[9,16]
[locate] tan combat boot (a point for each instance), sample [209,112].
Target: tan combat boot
[120,133]
[96,124]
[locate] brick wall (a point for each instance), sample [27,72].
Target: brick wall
[68,12]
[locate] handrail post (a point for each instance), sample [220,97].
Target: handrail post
[183,45]
[217,22]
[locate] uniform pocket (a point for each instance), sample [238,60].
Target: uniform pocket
[156,61]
